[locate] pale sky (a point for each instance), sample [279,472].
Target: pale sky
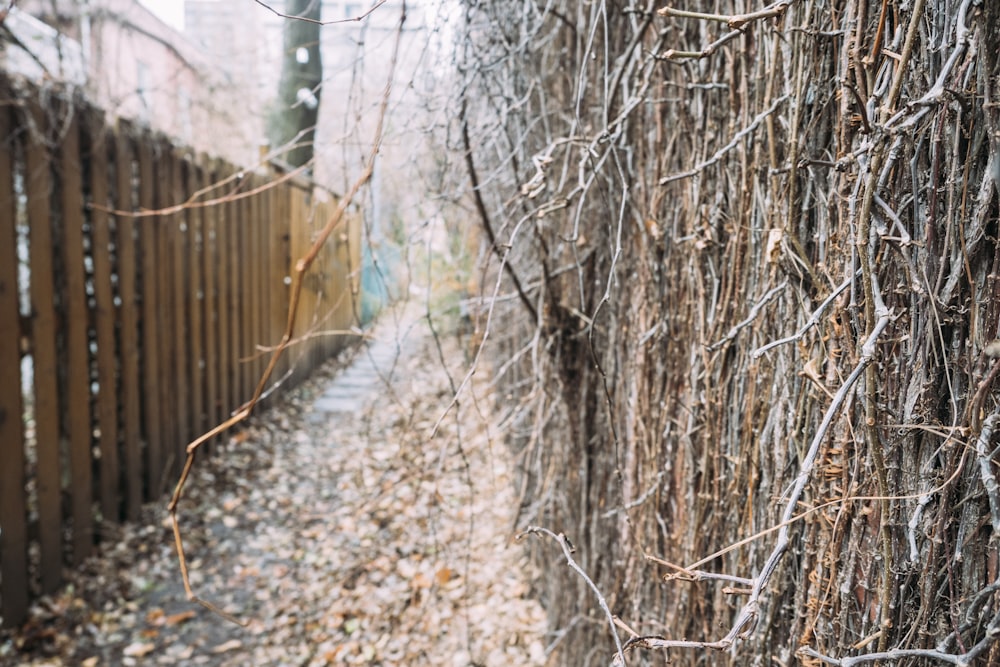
[169,11]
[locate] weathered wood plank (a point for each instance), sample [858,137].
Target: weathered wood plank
[151,376]
[167,388]
[13,508]
[38,187]
[234,261]
[128,332]
[198,248]
[279,262]
[299,235]
[104,323]
[210,302]
[78,428]
[257,270]
[180,233]
[221,216]
[246,298]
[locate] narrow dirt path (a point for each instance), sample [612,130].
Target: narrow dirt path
[334,527]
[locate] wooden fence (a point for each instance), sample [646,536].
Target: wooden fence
[138,286]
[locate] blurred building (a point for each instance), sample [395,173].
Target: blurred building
[135,66]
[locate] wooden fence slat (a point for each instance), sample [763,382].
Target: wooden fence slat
[104,322]
[197,248]
[352,272]
[78,355]
[129,383]
[249,292]
[246,297]
[256,285]
[234,260]
[180,233]
[151,377]
[298,244]
[167,387]
[275,276]
[264,284]
[13,505]
[340,297]
[38,186]
[223,276]
[210,303]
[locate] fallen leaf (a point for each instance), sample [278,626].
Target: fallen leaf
[177,619]
[231,645]
[138,649]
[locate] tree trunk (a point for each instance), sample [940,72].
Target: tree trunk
[293,122]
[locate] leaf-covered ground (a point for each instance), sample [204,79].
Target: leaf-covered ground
[348,537]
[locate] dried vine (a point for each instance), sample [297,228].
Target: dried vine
[761,244]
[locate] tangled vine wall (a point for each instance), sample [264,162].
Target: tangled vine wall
[753,251]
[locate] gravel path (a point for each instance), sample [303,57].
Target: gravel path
[333,526]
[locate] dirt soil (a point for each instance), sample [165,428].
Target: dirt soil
[346,537]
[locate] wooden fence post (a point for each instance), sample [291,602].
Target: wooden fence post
[104,322]
[151,376]
[255,275]
[13,508]
[197,295]
[38,186]
[166,387]
[74,299]
[180,233]
[279,262]
[233,262]
[130,389]
[245,261]
[223,295]
[210,301]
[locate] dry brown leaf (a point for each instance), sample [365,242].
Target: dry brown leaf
[138,649]
[230,645]
[420,580]
[176,619]
[443,575]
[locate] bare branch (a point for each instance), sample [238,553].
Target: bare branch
[359,17]
[749,129]
[568,550]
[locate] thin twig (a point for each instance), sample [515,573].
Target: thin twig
[986,469]
[732,20]
[813,320]
[568,550]
[293,17]
[754,312]
[728,147]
